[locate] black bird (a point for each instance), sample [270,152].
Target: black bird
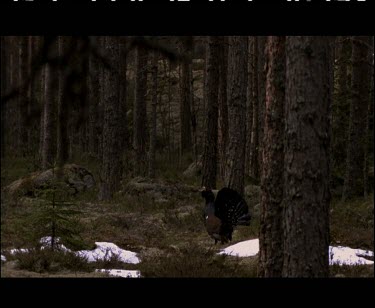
[225,212]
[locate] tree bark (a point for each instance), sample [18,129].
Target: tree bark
[249,106]
[354,180]
[341,107]
[237,85]
[261,95]
[209,171]
[23,71]
[254,155]
[140,116]
[151,158]
[111,142]
[223,105]
[185,95]
[4,88]
[307,157]
[271,231]
[63,108]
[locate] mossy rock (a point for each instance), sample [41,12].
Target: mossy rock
[76,178]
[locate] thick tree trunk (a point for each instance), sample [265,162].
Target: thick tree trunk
[111,162]
[223,105]
[237,86]
[209,171]
[354,180]
[271,231]
[307,157]
[152,153]
[185,95]
[140,116]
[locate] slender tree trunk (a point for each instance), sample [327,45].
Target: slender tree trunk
[139,120]
[354,180]
[261,95]
[94,98]
[151,159]
[237,86]
[307,157]
[341,107]
[367,187]
[23,140]
[49,120]
[63,108]
[124,135]
[223,104]
[4,69]
[271,231]
[254,156]
[209,171]
[111,162]
[185,95]
[249,106]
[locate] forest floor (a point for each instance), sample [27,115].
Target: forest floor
[168,234]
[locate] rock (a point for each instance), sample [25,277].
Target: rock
[76,177]
[160,191]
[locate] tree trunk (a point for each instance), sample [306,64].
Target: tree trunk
[63,108]
[110,172]
[261,95]
[307,157]
[209,169]
[249,106]
[354,180]
[185,95]
[151,158]
[94,98]
[223,105]
[23,140]
[49,119]
[123,99]
[341,108]
[140,116]
[4,89]
[254,155]
[271,231]
[237,86]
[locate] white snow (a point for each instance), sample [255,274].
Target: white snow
[347,256]
[3,258]
[120,273]
[242,249]
[338,255]
[104,251]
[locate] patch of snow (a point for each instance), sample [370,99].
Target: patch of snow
[22,250]
[242,249]
[338,255]
[3,258]
[104,251]
[47,242]
[347,256]
[120,273]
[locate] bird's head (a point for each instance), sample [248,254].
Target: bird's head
[207,193]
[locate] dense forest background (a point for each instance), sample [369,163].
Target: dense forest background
[285,121]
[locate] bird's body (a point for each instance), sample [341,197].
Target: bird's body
[225,212]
